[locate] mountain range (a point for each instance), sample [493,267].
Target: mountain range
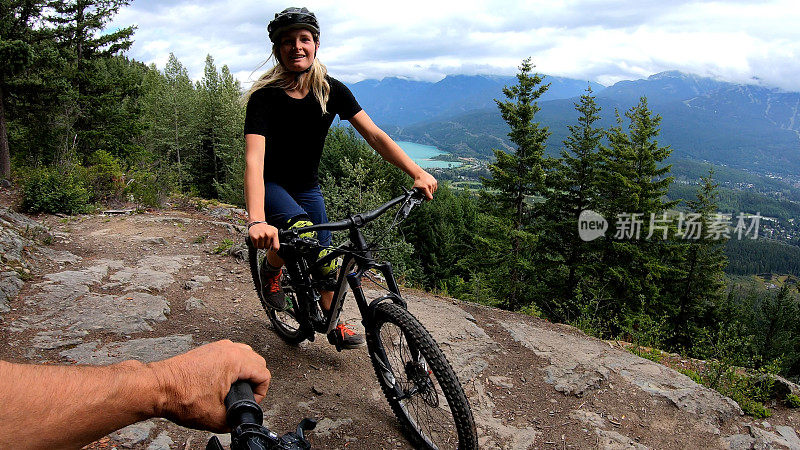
[744,126]
[401,102]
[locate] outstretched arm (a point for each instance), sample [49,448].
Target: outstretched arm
[390,151]
[71,406]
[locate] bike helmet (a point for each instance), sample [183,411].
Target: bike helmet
[290,19]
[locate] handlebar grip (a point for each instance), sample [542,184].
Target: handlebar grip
[240,390]
[241,405]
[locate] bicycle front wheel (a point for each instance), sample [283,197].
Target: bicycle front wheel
[421,387]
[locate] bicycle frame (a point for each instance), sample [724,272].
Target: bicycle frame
[356,254]
[357,260]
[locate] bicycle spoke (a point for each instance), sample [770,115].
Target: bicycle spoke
[421,390]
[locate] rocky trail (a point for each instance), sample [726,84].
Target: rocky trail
[99,289]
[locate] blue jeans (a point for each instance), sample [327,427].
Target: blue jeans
[282,207]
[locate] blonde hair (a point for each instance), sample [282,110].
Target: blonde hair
[314,80]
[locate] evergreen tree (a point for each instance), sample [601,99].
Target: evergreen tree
[442,232]
[355,179]
[632,186]
[230,147]
[180,103]
[20,38]
[571,189]
[343,143]
[169,116]
[701,271]
[112,99]
[79,30]
[206,162]
[518,176]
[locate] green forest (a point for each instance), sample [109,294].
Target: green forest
[82,125]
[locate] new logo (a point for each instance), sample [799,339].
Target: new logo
[591,225]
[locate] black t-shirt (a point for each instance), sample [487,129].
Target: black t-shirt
[295,131]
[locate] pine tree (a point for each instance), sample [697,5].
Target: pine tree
[206,163]
[79,30]
[169,115]
[442,232]
[231,144]
[218,162]
[702,277]
[19,37]
[518,176]
[572,186]
[180,103]
[632,179]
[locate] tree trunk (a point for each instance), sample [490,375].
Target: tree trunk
[5,156]
[514,291]
[178,149]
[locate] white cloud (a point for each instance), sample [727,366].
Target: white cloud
[601,40]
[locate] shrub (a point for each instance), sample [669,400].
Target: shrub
[104,176]
[653,354]
[750,391]
[694,376]
[148,188]
[49,190]
[792,401]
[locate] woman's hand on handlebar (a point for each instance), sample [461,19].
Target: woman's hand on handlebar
[264,236]
[427,183]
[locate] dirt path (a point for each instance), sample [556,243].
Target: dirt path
[149,286]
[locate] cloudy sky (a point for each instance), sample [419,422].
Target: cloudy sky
[599,40]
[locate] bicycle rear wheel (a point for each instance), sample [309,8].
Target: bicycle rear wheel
[421,387]
[283,322]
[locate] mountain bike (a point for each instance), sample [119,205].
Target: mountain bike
[415,376]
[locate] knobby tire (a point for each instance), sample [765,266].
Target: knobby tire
[433,419]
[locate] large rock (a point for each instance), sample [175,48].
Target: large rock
[12,246]
[24,225]
[134,434]
[161,442]
[152,273]
[10,285]
[145,350]
[18,237]
[588,363]
[783,387]
[69,310]
[122,315]
[759,438]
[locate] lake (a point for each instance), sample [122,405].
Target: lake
[422,154]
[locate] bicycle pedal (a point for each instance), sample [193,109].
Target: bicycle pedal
[335,342]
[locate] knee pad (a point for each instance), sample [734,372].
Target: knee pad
[328,269]
[300,222]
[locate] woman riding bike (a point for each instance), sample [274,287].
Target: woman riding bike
[289,111]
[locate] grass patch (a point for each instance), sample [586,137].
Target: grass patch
[694,376]
[653,354]
[223,247]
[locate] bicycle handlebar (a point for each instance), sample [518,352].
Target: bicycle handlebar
[358,220]
[241,406]
[245,418]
